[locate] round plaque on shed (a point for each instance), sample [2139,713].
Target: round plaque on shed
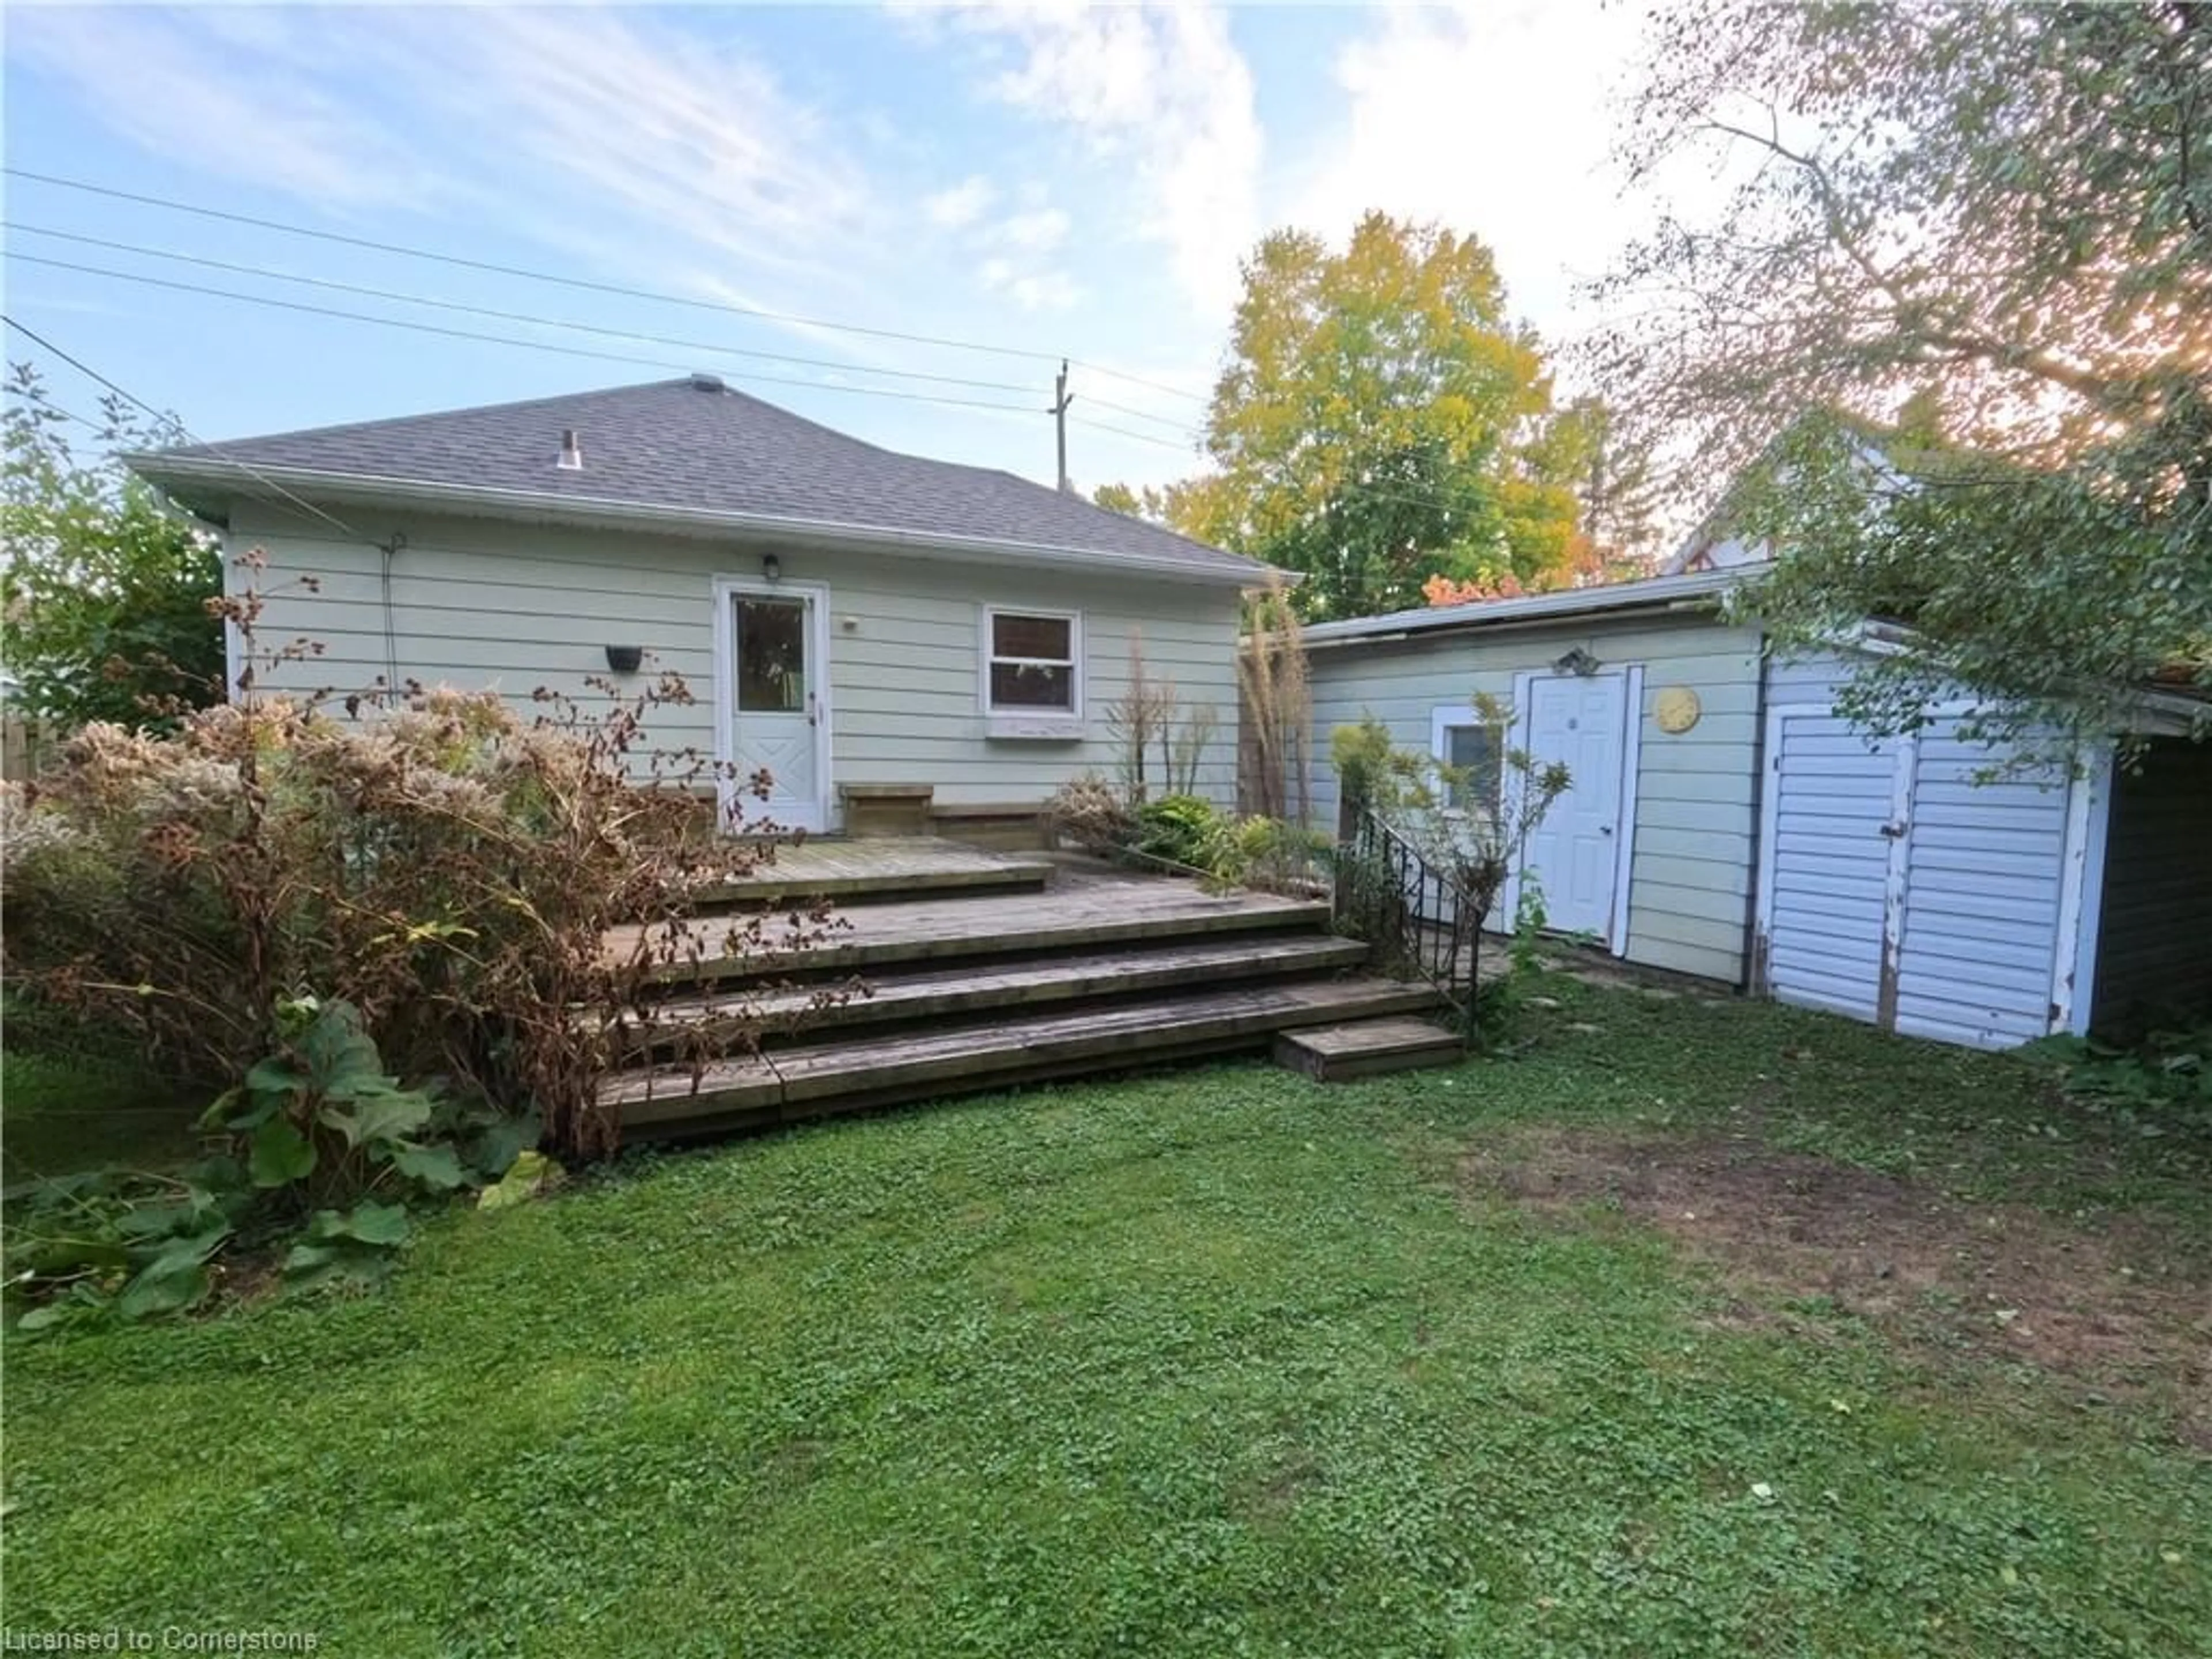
[1676,709]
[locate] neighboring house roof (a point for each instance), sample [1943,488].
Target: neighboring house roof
[1693,592]
[680,454]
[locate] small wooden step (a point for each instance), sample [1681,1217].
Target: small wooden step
[816,1080]
[942,993]
[1367,1047]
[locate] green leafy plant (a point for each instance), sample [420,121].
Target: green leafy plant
[2160,1087]
[1470,829]
[322,1114]
[116,1244]
[105,595]
[1186,831]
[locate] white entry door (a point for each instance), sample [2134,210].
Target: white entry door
[772,687]
[1575,852]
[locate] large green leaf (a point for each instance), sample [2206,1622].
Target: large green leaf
[175,1280]
[432,1166]
[280,1154]
[367,1223]
[341,1057]
[378,1115]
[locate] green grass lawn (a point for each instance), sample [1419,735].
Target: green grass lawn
[1208,1364]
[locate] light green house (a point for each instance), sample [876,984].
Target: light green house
[862,625]
[1650,698]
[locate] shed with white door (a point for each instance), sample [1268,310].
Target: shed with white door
[1934,885]
[1726,822]
[1650,699]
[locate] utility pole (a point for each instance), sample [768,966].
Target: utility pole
[1060,399]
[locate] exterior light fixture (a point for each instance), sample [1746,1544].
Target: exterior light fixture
[1578,662]
[771,567]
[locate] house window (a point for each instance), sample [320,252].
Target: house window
[1033,663]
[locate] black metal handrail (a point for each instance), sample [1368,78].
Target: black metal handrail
[1420,919]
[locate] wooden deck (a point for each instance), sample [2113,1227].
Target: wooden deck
[1007,970]
[1086,905]
[845,869]
[935,992]
[814,1080]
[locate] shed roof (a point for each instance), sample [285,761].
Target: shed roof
[1658,592]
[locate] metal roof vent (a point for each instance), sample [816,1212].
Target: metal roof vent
[572,451]
[703,382]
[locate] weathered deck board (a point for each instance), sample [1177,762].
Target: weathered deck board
[1368,1047]
[937,993]
[1079,909]
[816,1080]
[852,869]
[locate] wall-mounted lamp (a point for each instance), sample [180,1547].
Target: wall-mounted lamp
[625,658]
[1578,661]
[771,567]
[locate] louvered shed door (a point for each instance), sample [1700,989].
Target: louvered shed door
[1829,863]
[1899,852]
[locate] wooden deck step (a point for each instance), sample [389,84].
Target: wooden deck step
[789,1084]
[941,993]
[1368,1047]
[1069,915]
[856,871]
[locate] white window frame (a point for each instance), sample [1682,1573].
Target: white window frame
[1029,721]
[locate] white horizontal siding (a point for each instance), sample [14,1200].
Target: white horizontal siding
[1694,813]
[481,605]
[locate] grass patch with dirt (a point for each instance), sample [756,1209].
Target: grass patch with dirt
[1217,1362]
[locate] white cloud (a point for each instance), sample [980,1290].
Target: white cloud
[962,205]
[173,87]
[1443,122]
[1165,92]
[1032,291]
[687,140]
[1041,231]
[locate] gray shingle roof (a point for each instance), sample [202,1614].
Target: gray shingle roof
[694,445]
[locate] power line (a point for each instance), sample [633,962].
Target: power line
[587,285]
[133,399]
[1188,427]
[502,339]
[505,316]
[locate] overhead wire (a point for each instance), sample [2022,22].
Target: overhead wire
[401,298]
[585,283]
[135,401]
[419,327]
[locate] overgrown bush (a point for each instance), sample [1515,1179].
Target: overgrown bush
[1088,812]
[494,895]
[2159,1086]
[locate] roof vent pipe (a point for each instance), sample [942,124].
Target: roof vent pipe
[572,451]
[703,382]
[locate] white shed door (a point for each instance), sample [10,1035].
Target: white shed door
[1891,853]
[1834,797]
[1580,721]
[1983,897]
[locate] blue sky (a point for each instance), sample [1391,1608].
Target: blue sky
[1043,179]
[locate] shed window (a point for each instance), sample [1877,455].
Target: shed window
[1034,663]
[1473,751]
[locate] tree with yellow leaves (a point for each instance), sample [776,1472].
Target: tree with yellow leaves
[1381,420]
